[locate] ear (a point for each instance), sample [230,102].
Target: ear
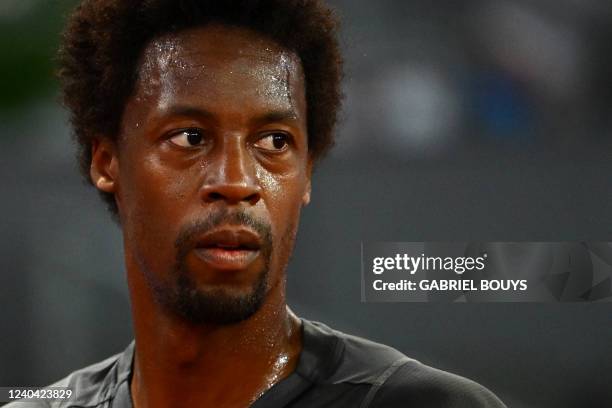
[308,189]
[104,169]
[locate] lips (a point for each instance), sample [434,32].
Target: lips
[228,248]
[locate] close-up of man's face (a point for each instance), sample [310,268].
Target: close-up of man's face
[161,156]
[210,170]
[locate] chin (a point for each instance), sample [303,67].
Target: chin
[219,303]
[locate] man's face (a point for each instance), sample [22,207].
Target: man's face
[211,170]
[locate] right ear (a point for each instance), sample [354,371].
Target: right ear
[104,169]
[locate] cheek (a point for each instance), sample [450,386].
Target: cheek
[283,190]
[283,197]
[153,197]
[154,188]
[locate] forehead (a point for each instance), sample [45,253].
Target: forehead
[221,66]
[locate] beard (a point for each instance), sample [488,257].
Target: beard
[198,304]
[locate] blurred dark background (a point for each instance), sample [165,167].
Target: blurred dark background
[472,121]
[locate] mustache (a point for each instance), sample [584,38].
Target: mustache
[188,235]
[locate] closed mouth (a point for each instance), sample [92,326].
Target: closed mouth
[229,248]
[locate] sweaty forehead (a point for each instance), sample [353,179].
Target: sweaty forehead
[219,63]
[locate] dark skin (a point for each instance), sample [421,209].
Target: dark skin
[217,121]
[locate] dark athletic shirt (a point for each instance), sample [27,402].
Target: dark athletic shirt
[334,370]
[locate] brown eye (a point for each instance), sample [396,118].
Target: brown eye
[188,137]
[273,142]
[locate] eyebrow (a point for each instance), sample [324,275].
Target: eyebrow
[272,116]
[184,110]
[277,116]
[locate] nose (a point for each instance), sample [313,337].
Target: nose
[230,177]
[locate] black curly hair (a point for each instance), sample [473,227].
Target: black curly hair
[101,45]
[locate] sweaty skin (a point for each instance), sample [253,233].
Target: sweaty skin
[236,92]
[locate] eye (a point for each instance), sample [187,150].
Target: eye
[273,142]
[187,137]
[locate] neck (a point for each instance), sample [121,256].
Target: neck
[177,363]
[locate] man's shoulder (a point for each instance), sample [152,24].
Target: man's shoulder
[91,386]
[396,380]
[416,384]
[355,359]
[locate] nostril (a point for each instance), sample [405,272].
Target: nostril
[214,196]
[230,193]
[253,198]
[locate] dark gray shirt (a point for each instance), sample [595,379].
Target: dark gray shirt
[334,370]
